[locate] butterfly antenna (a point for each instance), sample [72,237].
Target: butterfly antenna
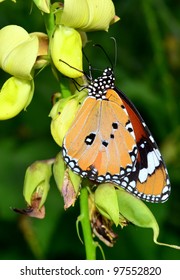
[72,66]
[99,46]
[74,81]
[89,67]
[115,51]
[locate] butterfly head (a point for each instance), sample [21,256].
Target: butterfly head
[98,87]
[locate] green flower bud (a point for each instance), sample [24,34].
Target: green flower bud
[67,182]
[59,169]
[88,15]
[105,199]
[43,5]
[66,47]
[135,211]
[15,95]
[63,114]
[75,179]
[101,226]
[18,51]
[36,180]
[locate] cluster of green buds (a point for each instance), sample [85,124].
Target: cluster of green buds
[111,205]
[63,113]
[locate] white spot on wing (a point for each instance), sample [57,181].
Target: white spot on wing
[100,178]
[167,181]
[165,197]
[158,154]
[122,172]
[150,162]
[142,145]
[126,179]
[71,164]
[153,161]
[76,170]
[124,184]
[157,159]
[132,184]
[151,138]
[166,189]
[64,152]
[128,169]
[129,188]
[108,177]
[133,158]
[130,128]
[143,175]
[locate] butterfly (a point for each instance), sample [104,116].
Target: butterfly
[109,141]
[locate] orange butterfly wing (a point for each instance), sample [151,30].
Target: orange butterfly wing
[96,148]
[109,142]
[152,180]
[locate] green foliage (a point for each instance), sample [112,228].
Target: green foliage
[147,70]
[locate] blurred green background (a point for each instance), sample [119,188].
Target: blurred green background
[148,71]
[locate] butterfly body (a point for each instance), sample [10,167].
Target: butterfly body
[109,142]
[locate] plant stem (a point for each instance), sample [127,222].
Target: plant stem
[50,28]
[49,23]
[90,246]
